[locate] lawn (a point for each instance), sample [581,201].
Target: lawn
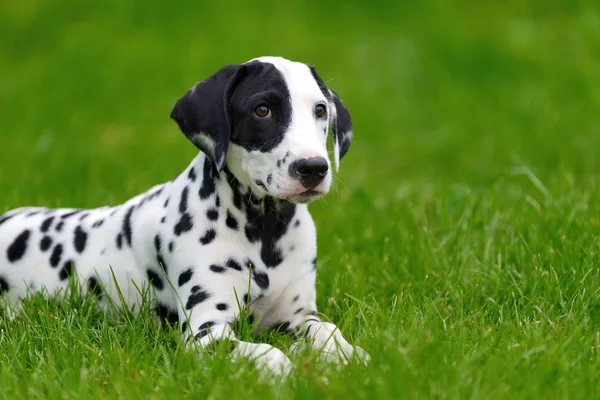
[460,246]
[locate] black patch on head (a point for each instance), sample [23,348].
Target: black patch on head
[261,279]
[119,240]
[45,243]
[231,222]
[212,214]
[183,203]
[46,224]
[231,263]
[95,288]
[59,226]
[66,271]
[185,277]
[192,175]
[18,247]
[4,287]
[127,232]
[204,329]
[56,255]
[208,236]
[166,315]
[269,179]
[155,279]
[80,239]
[198,296]
[98,223]
[222,306]
[217,268]
[208,182]
[171,245]
[322,85]
[183,225]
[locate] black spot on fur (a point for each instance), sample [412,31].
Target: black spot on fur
[166,315]
[183,203]
[5,218]
[269,179]
[166,203]
[192,175]
[80,239]
[278,163]
[298,311]
[66,271]
[208,183]
[208,237]
[296,298]
[222,306]
[297,223]
[212,214]
[261,184]
[185,277]
[281,327]
[127,232]
[314,263]
[95,287]
[18,247]
[198,296]
[98,223]
[4,287]
[231,222]
[161,263]
[46,224]
[119,240]
[184,224]
[157,243]
[59,226]
[171,246]
[184,326]
[84,216]
[231,263]
[247,298]
[56,255]
[45,243]
[217,201]
[217,268]
[204,329]
[155,280]
[163,220]
[261,279]
[65,216]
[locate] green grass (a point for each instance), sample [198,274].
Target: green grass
[460,246]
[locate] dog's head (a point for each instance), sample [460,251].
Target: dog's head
[267,120]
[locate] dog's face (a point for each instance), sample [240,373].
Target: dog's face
[268,120]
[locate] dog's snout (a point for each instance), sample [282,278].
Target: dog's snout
[310,171]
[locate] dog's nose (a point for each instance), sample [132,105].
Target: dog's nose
[309,171]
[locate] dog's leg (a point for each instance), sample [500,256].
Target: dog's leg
[207,317]
[324,337]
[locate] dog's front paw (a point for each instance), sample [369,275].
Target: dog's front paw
[268,359]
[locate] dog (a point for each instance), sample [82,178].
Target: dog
[231,234]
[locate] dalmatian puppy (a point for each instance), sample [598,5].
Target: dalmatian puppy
[230,234]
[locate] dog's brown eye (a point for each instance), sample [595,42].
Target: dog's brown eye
[262,111]
[320,110]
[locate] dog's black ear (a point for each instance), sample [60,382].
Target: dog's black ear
[341,128]
[339,120]
[203,113]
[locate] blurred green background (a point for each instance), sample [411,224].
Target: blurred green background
[472,181]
